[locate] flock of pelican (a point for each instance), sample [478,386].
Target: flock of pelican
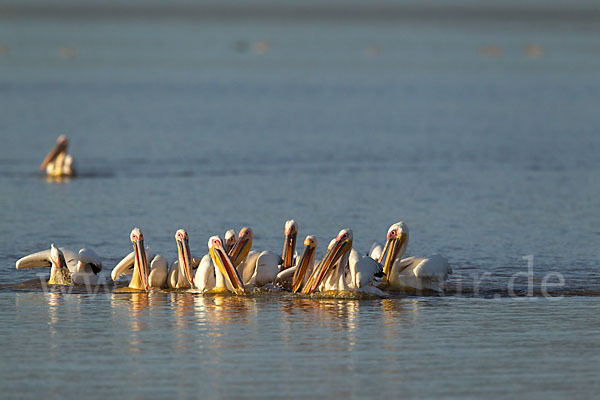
[232,265]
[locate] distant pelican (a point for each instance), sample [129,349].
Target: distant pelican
[220,278]
[58,163]
[67,267]
[410,273]
[136,263]
[181,273]
[254,268]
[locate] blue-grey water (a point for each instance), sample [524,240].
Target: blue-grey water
[480,132]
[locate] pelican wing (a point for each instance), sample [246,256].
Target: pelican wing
[41,259]
[367,271]
[375,251]
[125,266]
[204,279]
[89,258]
[158,272]
[247,268]
[267,268]
[435,267]
[173,274]
[286,275]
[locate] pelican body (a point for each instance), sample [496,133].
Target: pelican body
[143,276]
[66,267]
[410,273]
[254,268]
[58,163]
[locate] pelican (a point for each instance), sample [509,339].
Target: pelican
[67,267]
[305,265]
[290,231]
[289,256]
[58,163]
[136,263]
[230,239]
[224,276]
[254,268]
[181,274]
[410,273]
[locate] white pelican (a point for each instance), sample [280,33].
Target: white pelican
[58,163]
[67,267]
[289,256]
[410,273]
[254,268]
[136,264]
[230,239]
[220,278]
[181,273]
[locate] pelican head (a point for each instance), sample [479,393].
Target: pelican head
[60,274]
[341,245]
[139,280]
[307,258]
[184,255]
[291,232]
[61,147]
[224,263]
[395,246]
[240,250]
[230,239]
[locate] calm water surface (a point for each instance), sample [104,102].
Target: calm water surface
[482,136]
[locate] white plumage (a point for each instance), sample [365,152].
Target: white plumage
[83,267]
[410,273]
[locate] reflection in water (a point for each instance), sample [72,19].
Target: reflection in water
[130,307]
[182,305]
[53,317]
[57,179]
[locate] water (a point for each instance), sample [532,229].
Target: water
[481,134]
